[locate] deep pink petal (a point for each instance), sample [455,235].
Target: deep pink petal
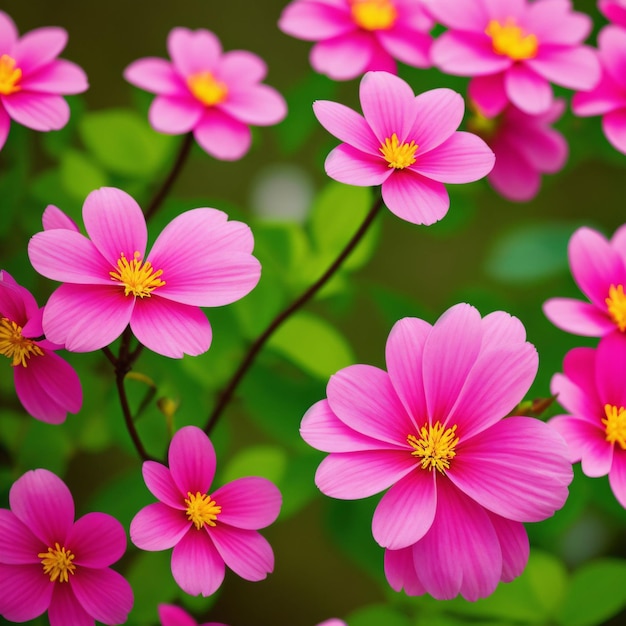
[53,218]
[5,125]
[8,33]
[240,67]
[610,368]
[60,77]
[614,127]
[353,167]
[175,115]
[579,365]
[488,94]
[158,527]
[156,76]
[400,572]
[514,544]
[612,55]
[18,545]
[579,318]
[16,302]
[170,615]
[66,609]
[250,503]
[39,111]
[617,476]
[571,67]
[193,51]
[159,481]
[259,105]
[315,21]
[246,552]
[381,60]
[604,98]
[512,176]
[39,47]
[221,136]
[191,459]
[25,592]
[580,401]
[467,54]
[97,540]
[407,45]
[343,57]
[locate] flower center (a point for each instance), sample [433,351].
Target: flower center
[14,345]
[435,446]
[398,155]
[10,75]
[509,40]
[480,124]
[616,304]
[374,14]
[201,509]
[615,424]
[138,278]
[57,562]
[206,89]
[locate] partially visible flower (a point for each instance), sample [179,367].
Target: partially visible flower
[608,98]
[49,562]
[356,36]
[32,79]
[46,385]
[526,146]
[199,259]
[171,615]
[214,94]
[599,268]
[614,10]
[408,144]
[515,50]
[207,531]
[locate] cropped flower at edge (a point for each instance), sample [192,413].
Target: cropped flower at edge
[460,479]
[206,530]
[33,80]
[46,385]
[214,94]
[614,10]
[408,144]
[199,260]
[49,562]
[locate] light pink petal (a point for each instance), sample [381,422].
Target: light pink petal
[156,76]
[614,127]
[612,54]
[527,90]
[400,572]
[488,94]
[38,47]
[259,105]
[250,503]
[97,540]
[406,511]
[238,67]
[617,476]
[221,136]
[39,111]
[315,21]
[191,459]
[500,328]
[175,115]
[193,51]
[583,402]
[159,481]
[343,57]
[5,125]
[53,218]
[8,33]
[605,97]
[618,240]
[541,17]
[17,544]
[407,45]
[610,368]
[66,609]
[353,167]
[514,544]
[158,527]
[197,566]
[246,552]
[24,592]
[60,77]
[579,318]
[470,16]
[170,615]
[571,67]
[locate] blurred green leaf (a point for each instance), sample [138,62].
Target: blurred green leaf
[80,175]
[377,615]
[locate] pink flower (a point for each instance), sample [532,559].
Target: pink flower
[406,143]
[171,615]
[525,146]
[515,49]
[356,36]
[462,479]
[599,268]
[608,98]
[591,389]
[215,94]
[207,531]
[200,259]
[49,562]
[46,385]
[614,10]
[32,79]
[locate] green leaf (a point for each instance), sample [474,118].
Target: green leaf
[80,175]
[267,461]
[376,615]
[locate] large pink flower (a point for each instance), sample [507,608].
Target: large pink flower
[356,36]
[462,479]
[207,531]
[46,385]
[200,259]
[406,143]
[515,49]
[614,10]
[49,562]
[32,79]
[215,94]
[599,269]
[608,98]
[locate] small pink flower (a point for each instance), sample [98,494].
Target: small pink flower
[46,385]
[599,268]
[608,98]
[171,615]
[515,49]
[592,390]
[526,146]
[49,562]
[207,531]
[215,94]
[406,143]
[200,259]
[32,79]
[614,10]
[461,479]
[356,36]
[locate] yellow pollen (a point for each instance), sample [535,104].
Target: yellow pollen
[435,446]
[10,75]
[206,89]
[57,562]
[479,123]
[374,14]
[615,424]
[14,345]
[616,304]
[138,277]
[398,155]
[509,40]
[201,509]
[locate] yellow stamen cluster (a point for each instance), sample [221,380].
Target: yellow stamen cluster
[615,424]
[14,345]
[509,40]
[201,509]
[616,305]
[10,75]
[435,446]
[398,155]
[374,14]
[207,89]
[138,278]
[57,562]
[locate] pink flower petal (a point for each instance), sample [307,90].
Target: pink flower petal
[239,67]
[610,368]
[604,98]
[246,552]
[156,76]
[467,54]
[541,17]
[514,545]
[407,45]
[97,540]
[66,609]
[617,476]
[612,55]
[572,67]
[580,401]
[170,615]
[25,593]
[258,105]
[158,527]
[60,77]
[191,459]
[8,33]
[353,167]
[343,57]
[221,136]
[5,124]
[543,148]
[175,115]
[249,503]
[501,328]
[512,176]
[579,318]
[315,21]
[527,90]
[18,546]
[159,481]
[381,60]
[38,47]
[614,127]
[489,94]
[39,111]
[400,572]
[470,16]
[579,365]
[53,218]
[193,51]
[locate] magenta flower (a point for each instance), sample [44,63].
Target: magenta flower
[608,98]
[461,479]
[207,531]
[215,94]
[526,146]
[200,259]
[614,10]
[406,143]
[515,49]
[32,79]
[599,268]
[49,562]
[171,615]
[591,389]
[356,36]
[46,385]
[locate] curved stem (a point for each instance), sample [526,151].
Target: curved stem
[255,348]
